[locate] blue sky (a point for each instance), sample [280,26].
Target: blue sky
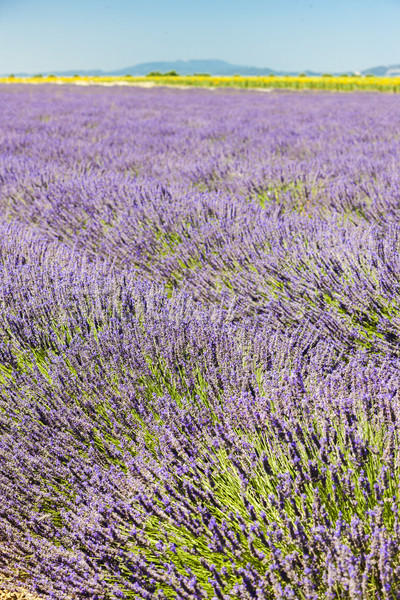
[328,35]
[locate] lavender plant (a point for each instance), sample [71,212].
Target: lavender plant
[199,347]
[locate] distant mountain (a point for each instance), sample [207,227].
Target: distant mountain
[384,71]
[210,66]
[188,67]
[183,67]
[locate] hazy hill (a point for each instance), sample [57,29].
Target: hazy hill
[385,71]
[211,66]
[188,67]
[183,67]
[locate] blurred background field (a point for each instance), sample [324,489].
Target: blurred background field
[345,83]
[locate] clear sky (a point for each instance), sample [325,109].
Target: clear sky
[328,35]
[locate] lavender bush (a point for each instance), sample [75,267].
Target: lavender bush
[199,344]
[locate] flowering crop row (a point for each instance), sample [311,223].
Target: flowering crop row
[199,344]
[342,83]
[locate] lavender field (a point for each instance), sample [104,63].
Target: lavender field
[199,344]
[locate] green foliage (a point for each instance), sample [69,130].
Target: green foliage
[159,74]
[231,498]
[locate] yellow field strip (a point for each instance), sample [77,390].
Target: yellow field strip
[330,83]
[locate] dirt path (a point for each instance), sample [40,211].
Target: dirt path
[18,594]
[4,595]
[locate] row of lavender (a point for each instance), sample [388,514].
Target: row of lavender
[199,344]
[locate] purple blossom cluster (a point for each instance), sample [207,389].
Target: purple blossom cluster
[199,344]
